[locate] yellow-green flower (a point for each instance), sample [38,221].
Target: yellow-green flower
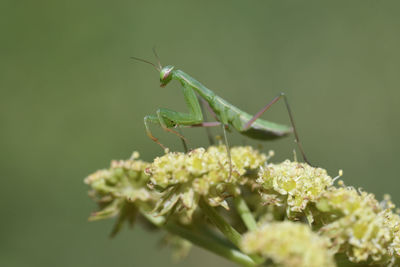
[289,244]
[184,178]
[346,222]
[292,184]
[361,226]
[121,190]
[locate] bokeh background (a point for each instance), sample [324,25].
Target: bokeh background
[72,99]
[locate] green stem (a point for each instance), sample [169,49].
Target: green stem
[220,223]
[203,230]
[230,233]
[245,213]
[211,245]
[203,241]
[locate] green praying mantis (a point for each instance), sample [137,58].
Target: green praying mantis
[225,114]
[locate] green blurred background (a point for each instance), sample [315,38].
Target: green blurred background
[72,100]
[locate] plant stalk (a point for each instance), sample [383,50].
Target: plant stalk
[229,232]
[245,213]
[203,241]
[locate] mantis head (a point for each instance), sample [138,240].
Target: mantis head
[165,72]
[166,75]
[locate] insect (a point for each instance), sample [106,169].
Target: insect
[225,114]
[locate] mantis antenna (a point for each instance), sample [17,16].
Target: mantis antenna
[158,68]
[158,58]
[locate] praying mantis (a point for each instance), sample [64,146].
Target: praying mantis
[225,114]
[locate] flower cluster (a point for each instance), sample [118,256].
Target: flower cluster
[358,222]
[292,184]
[174,187]
[121,190]
[184,178]
[289,244]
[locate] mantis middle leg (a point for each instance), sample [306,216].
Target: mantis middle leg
[208,131]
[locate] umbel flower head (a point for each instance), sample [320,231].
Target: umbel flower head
[331,220]
[121,190]
[184,178]
[358,222]
[289,244]
[292,184]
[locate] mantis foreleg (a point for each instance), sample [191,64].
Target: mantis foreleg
[167,118]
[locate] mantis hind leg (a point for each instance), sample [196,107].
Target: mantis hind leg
[265,108]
